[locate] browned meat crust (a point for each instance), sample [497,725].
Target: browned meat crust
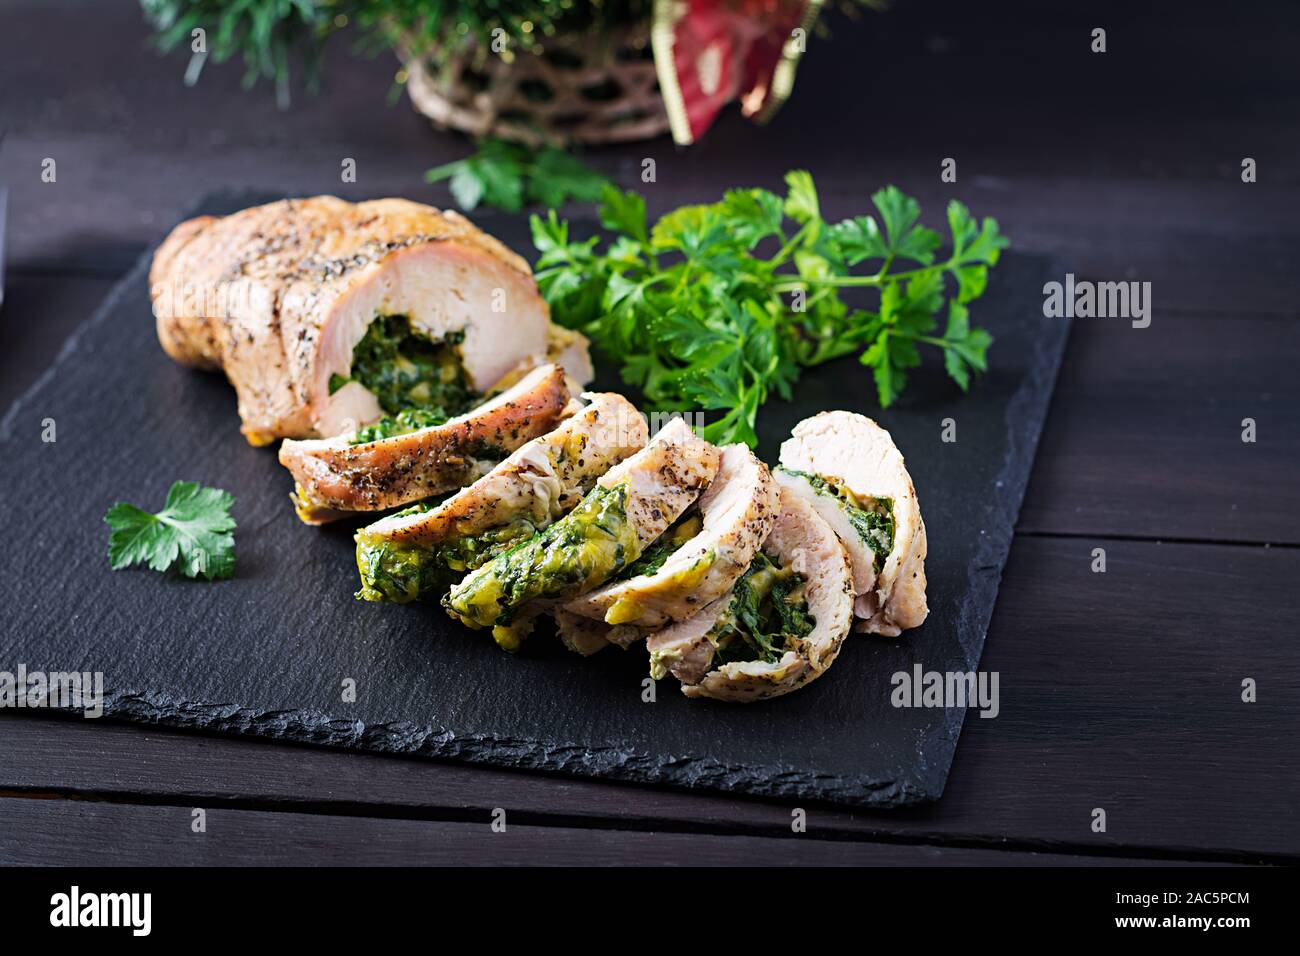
[251,293]
[333,476]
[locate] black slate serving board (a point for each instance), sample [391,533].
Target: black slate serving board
[268,652]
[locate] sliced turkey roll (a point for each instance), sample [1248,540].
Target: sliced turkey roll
[682,572]
[584,636]
[419,552]
[779,628]
[354,472]
[572,352]
[327,315]
[568,349]
[848,468]
[631,505]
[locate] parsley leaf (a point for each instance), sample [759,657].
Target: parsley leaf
[509,175]
[801,202]
[715,306]
[905,238]
[192,533]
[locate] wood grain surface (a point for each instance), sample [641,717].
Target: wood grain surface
[1119,690]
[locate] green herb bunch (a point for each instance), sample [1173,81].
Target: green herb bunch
[716,306]
[511,175]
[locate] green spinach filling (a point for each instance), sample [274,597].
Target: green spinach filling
[580,551]
[874,524]
[664,547]
[403,423]
[418,382]
[767,614]
[398,572]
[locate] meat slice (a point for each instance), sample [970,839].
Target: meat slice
[568,349]
[571,351]
[631,505]
[538,483]
[684,649]
[333,476]
[737,513]
[586,636]
[663,480]
[580,634]
[278,296]
[801,540]
[837,456]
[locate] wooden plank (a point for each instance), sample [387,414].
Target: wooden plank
[1154,194]
[1144,437]
[940,44]
[83,833]
[1204,246]
[1118,690]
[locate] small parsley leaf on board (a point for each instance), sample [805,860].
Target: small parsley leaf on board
[192,533]
[717,306]
[509,176]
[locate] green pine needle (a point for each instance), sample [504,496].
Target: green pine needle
[269,34]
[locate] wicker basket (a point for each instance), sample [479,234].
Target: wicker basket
[591,87]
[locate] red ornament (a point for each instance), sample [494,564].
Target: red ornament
[710,52]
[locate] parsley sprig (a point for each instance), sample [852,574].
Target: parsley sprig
[718,305]
[510,175]
[192,533]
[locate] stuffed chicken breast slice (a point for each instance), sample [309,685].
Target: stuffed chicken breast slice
[280,297]
[586,636]
[582,635]
[781,626]
[735,515]
[572,352]
[413,553]
[850,471]
[631,506]
[341,475]
[684,649]
[564,347]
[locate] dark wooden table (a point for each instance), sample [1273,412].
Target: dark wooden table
[1119,690]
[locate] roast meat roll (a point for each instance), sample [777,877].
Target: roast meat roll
[698,560]
[358,472]
[327,315]
[779,628]
[419,552]
[849,470]
[632,505]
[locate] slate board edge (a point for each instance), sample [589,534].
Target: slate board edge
[312,728]
[121,284]
[315,728]
[1049,353]
[70,346]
